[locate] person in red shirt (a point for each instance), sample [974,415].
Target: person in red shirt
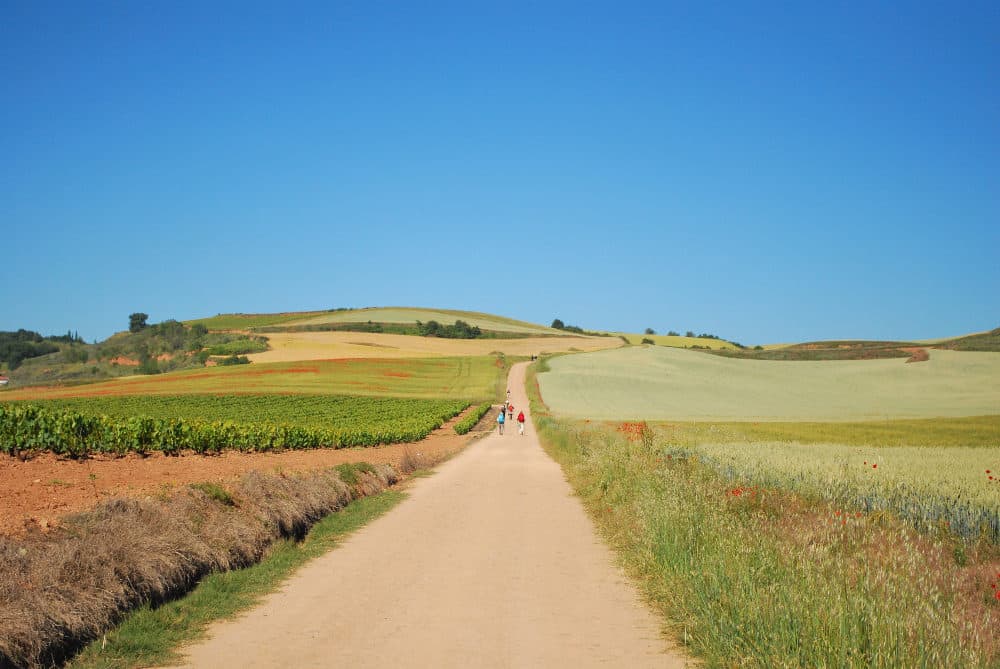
[520,423]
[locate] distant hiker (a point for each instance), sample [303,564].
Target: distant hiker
[500,420]
[510,411]
[520,423]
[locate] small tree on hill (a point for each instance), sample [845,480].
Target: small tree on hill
[558,324]
[650,331]
[137,321]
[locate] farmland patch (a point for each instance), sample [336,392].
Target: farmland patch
[659,383]
[471,378]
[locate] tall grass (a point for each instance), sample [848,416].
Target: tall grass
[152,635]
[765,577]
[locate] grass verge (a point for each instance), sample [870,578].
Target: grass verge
[151,636]
[764,577]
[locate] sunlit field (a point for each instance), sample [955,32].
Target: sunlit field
[412,314]
[469,378]
[660,383]
[289,346]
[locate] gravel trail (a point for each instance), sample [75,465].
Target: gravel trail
[490,562]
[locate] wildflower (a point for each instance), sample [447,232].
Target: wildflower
[875,466]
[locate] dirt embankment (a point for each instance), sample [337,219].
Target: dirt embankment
[917,354]
[38,491]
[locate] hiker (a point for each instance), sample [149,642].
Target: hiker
[510,411]
[520,422]
[500,420]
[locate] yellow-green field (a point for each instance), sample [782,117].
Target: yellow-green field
[470,378]
[249,321]
[966,431]
[917,479]
[677,341]
[660,383]
[412,314]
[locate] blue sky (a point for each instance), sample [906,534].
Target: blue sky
[764,172]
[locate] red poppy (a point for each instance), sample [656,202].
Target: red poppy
[875,466]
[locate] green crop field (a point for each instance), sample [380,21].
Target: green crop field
[967,431]
[312,411]
[213,423]
[660,383]
[959,486]
[472,379]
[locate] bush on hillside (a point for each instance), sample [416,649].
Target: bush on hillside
[234,360]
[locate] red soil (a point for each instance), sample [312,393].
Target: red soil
[917,354]
[41,490]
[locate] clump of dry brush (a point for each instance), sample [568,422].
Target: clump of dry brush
[62,589]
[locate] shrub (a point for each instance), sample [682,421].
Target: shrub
[234,360]
[76,354]
[466,424]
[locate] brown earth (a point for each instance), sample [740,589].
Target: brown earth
[38,491]
[917,354]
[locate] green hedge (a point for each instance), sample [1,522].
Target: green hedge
[26,427]
[469,422]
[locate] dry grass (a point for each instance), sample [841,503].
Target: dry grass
[61,589]
[297,346]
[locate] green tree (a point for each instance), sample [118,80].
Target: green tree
[650,331]
[137,321]
[558,324]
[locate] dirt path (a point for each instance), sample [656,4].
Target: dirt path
[491,562]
